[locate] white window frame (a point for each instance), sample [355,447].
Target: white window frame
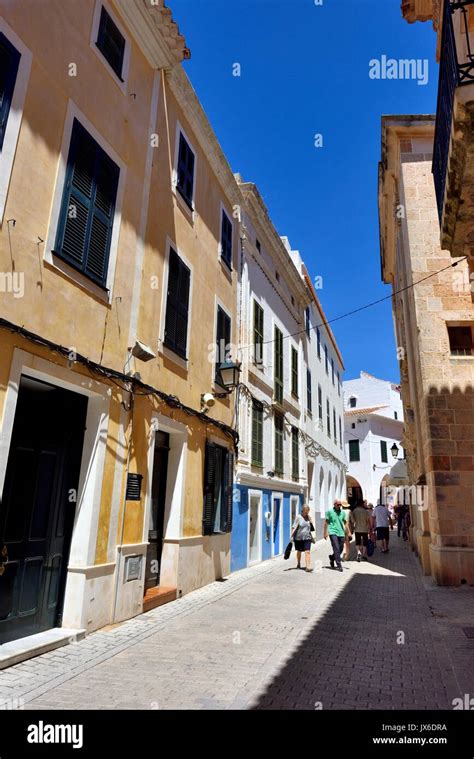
[55,261]
[163,349]
[190,212]
[12,132]
[276,496]
[127,52]
[223,209]
[218,303]
[255,494]
[254,298]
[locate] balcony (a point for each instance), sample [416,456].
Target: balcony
[453,153]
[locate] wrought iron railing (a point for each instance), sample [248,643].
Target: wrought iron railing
[452,74]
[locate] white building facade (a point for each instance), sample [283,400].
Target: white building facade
[282,448]
[373,423]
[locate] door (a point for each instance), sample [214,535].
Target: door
[294,513]
[38,507]
[277,549]
[254,528]
[157,511]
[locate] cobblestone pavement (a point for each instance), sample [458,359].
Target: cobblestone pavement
[378,635]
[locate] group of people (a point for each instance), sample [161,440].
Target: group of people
[366,523]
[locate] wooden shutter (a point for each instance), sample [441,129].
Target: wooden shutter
[185,170]
[294,453]
[226,239]
[258,332]
[257,433]
[9,63]
[88,206]
[228,495]
[278,443]
[177,305]
[309,390]
[294,371]
[278,370]
[111,43]
[223,336]
[209,489]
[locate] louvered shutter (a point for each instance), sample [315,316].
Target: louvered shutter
[209,489]
[257,433]
[88,206]
[226,238]
[9,63]
[223,336]
[228,505]
[278,370]
[111,43]
[185,170]
[177,305]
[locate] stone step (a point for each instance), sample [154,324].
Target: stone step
[157,597]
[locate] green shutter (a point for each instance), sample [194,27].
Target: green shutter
[223,338]
[258,332]
[226,239]
[294,372]
[177,305]
[228,491]
[278,369]
[279,439]
[309,390]
[9,63]
[295,454]
[111,43]
[257,433]
[88,207]
[185,182]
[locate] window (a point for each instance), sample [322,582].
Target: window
[332,371]
[353,425]
[309,392]
[318,338]
[9,63]
[279,436]
[320,402]
[88,205]
[111,43]
[460,341]
[352,402]
[395,414]
[383,451]
[338,384]
[328,418]
[258,246]
[326,359]
[185,183]
[295,458]
[258,332]
[226,239]
[177,305]
[294,372]
[354,450]
[340,432]
[278,376]
[223,338]
[334,427]
[257,433]
[307,319]
[218,487]
[277,276]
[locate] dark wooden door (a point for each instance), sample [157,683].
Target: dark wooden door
[157,515]
[38,507]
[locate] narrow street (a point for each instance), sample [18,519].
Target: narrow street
[377,636]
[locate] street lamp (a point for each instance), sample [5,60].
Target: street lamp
[228,376]
[395,451]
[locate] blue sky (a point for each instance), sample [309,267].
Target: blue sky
[305,70]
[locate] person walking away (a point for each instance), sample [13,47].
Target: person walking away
[301,534]
[347,540]
[361,525]
[335,526]
[383,522]
[401,514]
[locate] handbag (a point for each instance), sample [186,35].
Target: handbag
[370,547]
[288,550]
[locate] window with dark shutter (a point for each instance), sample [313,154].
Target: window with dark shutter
[307,319]
[334,426]
[295,459]
[223,338]
[257,433]
[318,339]
[328,418]
[278,369]
[226,239]
[354,450]
[294,372]
[88,206]
[326,359]
[111,43]
[340,432]
[384,451]
[218,490]
[333,372]
[177,305]
[258,332]
[309,391]
[320,402]
[9,63]
[461,341]
[279,437]
[185,182]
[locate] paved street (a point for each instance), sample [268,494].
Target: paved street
[378,635]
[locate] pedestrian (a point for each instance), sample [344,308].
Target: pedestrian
[302,529]
[383,523]
[335,526]
[401,514]
[361,525]
[347,540]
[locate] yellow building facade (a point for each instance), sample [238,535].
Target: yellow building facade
[119,244]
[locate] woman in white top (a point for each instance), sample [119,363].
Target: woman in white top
[301,534]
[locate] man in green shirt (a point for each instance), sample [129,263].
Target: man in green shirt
[336,527]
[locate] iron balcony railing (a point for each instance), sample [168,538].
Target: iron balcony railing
[453,73]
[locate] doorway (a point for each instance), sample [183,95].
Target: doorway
[255,504]
[276,521]
[38,507]
[157,510]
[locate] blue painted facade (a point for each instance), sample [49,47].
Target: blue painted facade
[240,524]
